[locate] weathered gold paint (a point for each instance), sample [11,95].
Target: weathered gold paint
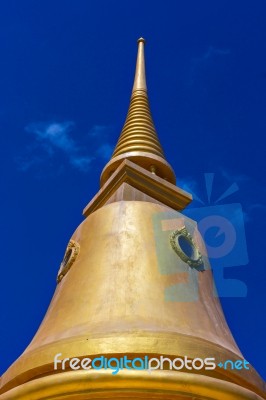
[114,301]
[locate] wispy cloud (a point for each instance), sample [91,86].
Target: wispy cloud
[187,183]
[253,211]
[105,151]
[236,177]
[202,63]
[55,133]
[52,138]
[191,186]
[25,163]
[81,163]
[98,130]
[212,52]
[100,134]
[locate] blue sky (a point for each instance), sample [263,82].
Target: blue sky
[66,73]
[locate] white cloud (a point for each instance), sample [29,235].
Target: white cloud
[53,137]
[55,133]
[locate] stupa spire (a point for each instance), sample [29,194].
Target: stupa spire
[138,133]
[138,140]
[140,74]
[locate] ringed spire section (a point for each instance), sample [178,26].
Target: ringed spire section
[138,140]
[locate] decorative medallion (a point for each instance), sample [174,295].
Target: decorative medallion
[185,247]
[70,256]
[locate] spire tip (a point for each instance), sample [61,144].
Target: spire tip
[140,78]
[141,40]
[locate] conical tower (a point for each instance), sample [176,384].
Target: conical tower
[138,140]
[134,290]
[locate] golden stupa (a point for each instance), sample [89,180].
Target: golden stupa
[135,282]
